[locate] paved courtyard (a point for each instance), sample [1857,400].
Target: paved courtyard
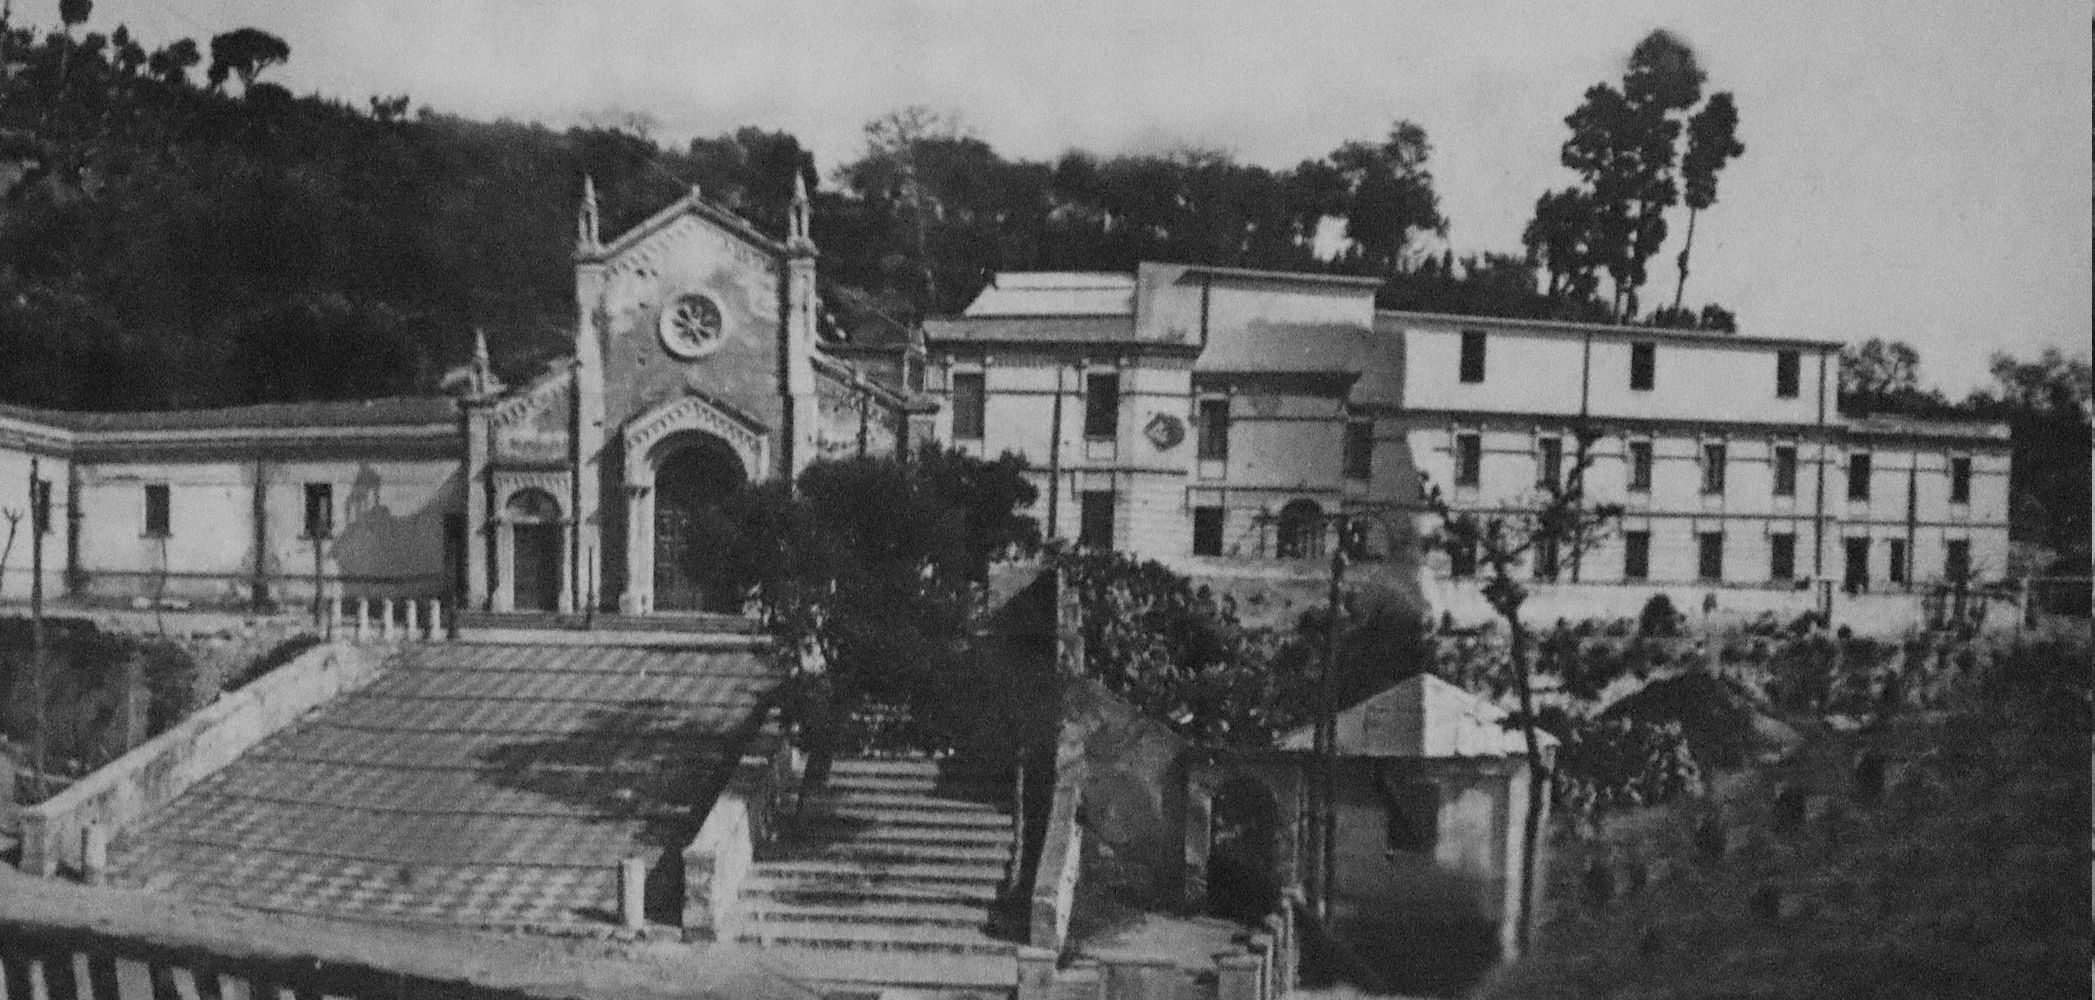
[479,785]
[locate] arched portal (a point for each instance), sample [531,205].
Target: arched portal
[537,540]
[1243,850]
[694,472]
[1301,530]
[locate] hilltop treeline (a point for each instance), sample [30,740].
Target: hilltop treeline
[177,230]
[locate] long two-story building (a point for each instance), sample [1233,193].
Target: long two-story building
[1214,417]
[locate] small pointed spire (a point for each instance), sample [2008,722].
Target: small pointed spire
[586,230]
[797,215]
[483,367]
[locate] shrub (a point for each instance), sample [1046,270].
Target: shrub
[1659,618]
[1607,764]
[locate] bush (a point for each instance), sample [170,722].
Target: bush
[1607,764]
[1659,619]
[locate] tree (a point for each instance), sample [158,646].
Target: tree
[1389,195]
[1883,376]
[170,64]
[1712,142]
[1624,147]
[751,170]
[1555,519]
[244,52]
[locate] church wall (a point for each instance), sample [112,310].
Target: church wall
[15,566]
[389,517]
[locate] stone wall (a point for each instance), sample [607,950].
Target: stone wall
[162,768]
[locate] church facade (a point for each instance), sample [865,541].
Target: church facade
[701,362]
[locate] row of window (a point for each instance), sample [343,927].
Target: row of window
[1709,559]
[1469,463]
[1101,406]
[1643,366]
[1102,414]
[319,513]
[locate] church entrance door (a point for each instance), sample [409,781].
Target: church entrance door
[696,472]
[538,540]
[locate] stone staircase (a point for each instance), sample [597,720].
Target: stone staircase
[891,875]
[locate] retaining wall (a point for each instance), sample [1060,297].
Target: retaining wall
[158,770]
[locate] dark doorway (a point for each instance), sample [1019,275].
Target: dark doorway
[1856,579]
[537,541]
[691,480]
[1243,859]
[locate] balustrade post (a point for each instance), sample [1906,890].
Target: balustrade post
[385,619]
[363,618]
[414,619]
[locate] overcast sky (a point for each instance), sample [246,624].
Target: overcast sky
[1913,170]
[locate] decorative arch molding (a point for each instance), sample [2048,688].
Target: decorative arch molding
[748,439]
[508,483]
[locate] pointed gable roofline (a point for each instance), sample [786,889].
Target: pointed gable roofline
[1423,716]
[692,203]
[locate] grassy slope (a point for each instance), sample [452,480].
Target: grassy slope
[1967,877]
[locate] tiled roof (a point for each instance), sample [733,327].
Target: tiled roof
[389,412]
[1056,293]
[1035,330]
[483,785]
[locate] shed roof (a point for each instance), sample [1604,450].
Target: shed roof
[395,411]
[1421,717]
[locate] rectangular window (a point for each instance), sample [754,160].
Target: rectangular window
[1095,522]
[1957,560]
[158,516]
[1545,559]
[1643,366]
[320,510]
[1550,462]
[1207,531]
[1788,367]
[40,506]
[1713,456]
[1640,466]
[1960,479]
[1472,355]
[1858,476]
[1462,559]
[1412,811]
[1636,555]
[1469,459]
[1102,406]
[1782,556]
[1856,576]
[1360,450]
[1785,470]
[1896,572]
[1710,555]
[1214,429]
[969,402]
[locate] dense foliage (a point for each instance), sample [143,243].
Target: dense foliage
[867,570]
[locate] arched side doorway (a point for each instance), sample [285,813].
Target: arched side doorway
[694,472]
[537,546]
[1301,530]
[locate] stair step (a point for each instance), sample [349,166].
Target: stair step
[798,892]
[896,800]
[875,937]
[965,790]
[834,872]
[912,767]
[783,915]
[844,830]
[952,855]
[846,811]
[875,973]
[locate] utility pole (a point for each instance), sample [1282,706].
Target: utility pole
[39,517]
[1326,741]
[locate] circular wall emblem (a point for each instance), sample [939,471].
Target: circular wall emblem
[1165,431]
[691,327]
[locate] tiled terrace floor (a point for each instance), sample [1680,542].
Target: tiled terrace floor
[484,785]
